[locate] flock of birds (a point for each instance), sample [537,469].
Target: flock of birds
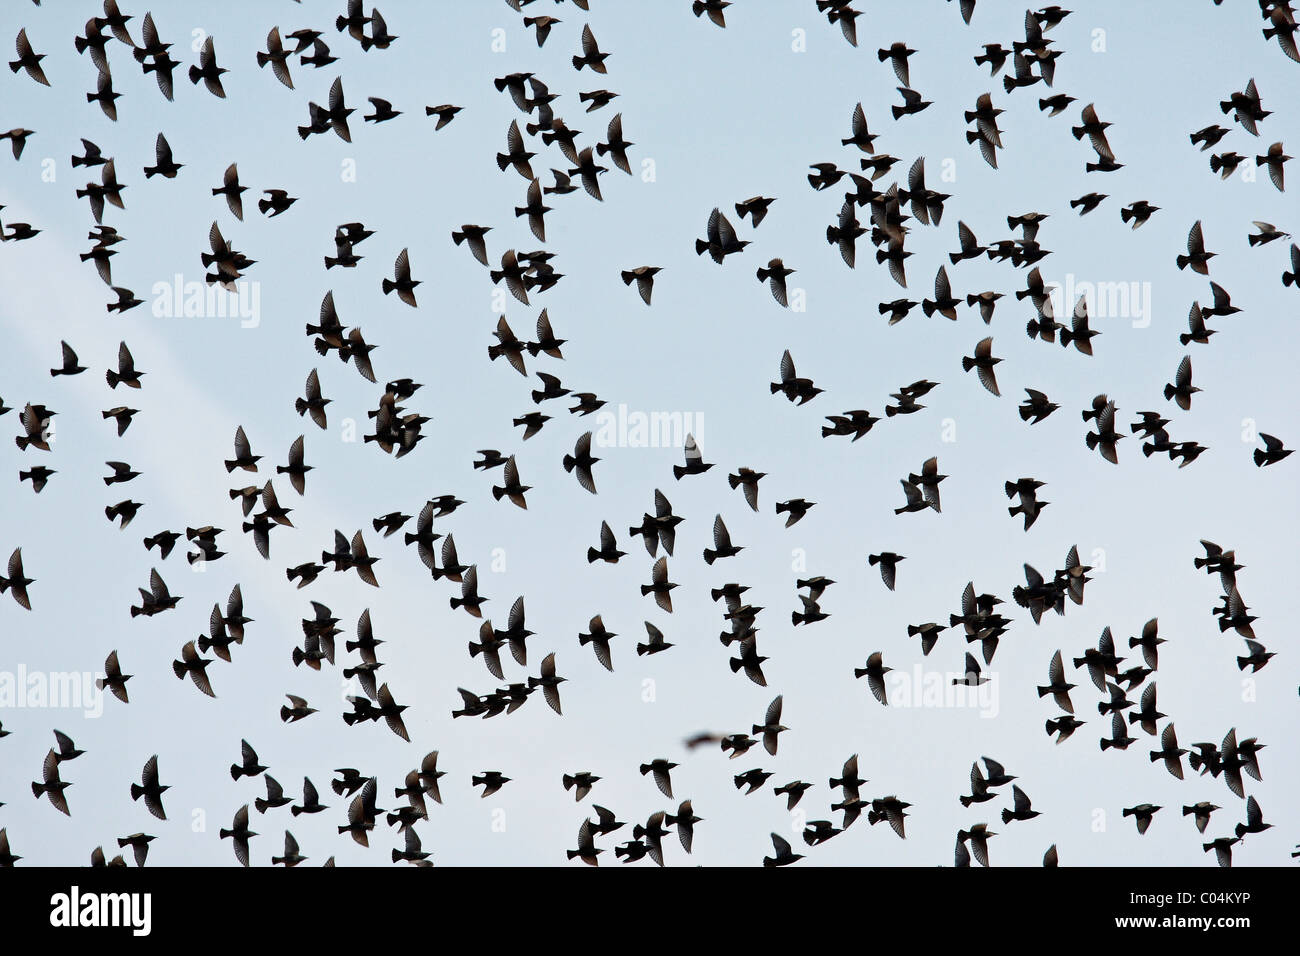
[872,208]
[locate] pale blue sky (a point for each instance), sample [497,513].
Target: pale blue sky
[723,114]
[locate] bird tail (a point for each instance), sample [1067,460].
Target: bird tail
[1182,261]
[1007,815]
[1260,459]
[710,556]
[967,363]
[678,471]
[177,667]
[388,285]
[261,806]
[1126,214]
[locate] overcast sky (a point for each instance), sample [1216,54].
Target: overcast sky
[716,116]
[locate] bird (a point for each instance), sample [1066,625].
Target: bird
[1254,820]
[1170,752]
[580,462]
[775,275]
[511,487]
[874,670]
[983,361]
[402,283]
[1142,815]
[1181,389]
[195,667]
[655,643]
[549,682]
[1197,258]
[912,103]
[16,581]
[715,10]
[782,855]
[53,786]
[232,190]
[591,55]
[977,836]
[1023,807]
[771,727]
[250,766]
[1272,452]
[150,788]
[1057,686]
[28,59]
[114,680]
[721,239]
[126,373]
[644,277]
[239,834]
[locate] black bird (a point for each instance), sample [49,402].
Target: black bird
[1170,753]
[1087,202]
[874,671]
[721,238]
[70,364]
[250,767]
[239,834]
[1272,452]
[402,283]
[1196,256]
[1200,813]
[912,103]
[208,71]
[1142,815]
[1181,389]
[150,788]
[28,59]
[660,768]
[53,785]
[126,373]
[233,192]
[655,641]
[113,679]
[782,854]
[695,463]
[1138,212]
[591,55]
[755,207]
[1023,807]
[983,361]
[1254,820]
[1036,407]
